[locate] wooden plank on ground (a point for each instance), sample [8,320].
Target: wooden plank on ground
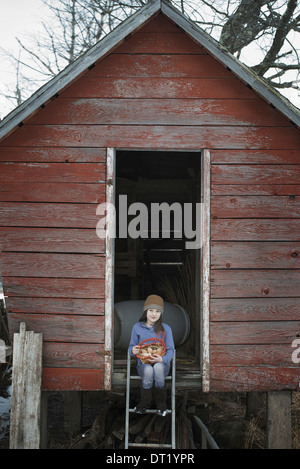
[279,423]
[26,390]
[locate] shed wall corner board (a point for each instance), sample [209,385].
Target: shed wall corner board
[158,90]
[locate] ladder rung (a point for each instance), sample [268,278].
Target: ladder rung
[150,445]
[151,411]
[168,378]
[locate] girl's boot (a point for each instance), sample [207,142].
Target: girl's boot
[145,401]
[160,399]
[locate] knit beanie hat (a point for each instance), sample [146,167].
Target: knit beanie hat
[155,302]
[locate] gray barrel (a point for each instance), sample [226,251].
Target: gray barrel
[127,313]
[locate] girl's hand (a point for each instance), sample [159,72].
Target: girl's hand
[156,358]
[135,350]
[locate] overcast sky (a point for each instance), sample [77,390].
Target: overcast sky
[18,17]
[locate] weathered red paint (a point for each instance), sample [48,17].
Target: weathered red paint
[157,90]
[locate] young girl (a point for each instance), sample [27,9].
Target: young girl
[149,326]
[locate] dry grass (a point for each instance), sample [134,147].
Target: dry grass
[296,420]
[255,436]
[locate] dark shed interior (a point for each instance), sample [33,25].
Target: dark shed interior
[160,262]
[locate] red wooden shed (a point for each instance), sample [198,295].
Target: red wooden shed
[158,112]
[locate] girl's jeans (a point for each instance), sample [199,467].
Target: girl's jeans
[153,373]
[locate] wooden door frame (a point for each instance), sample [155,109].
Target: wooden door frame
[109,269]
[204,274]
[205,268]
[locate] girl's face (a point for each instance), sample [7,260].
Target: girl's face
[153,315]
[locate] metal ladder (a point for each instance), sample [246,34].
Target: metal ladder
[171,411]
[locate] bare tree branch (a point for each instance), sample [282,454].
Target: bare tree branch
[76,25]
[279,38]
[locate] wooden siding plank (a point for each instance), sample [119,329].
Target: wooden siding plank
[75,379]
[255,283]
[269,332]
[52,172]
[52,192]
[255,230]
[61,328]
[53,287]
[161,111]
[48,215]
[248,379]
[252,255]
[159,136]
[52,155]
[158,87]
[256,355]
[255,174]
[259,189]
[51,240]
[255,309]
[74,355]
[255,157]
[52,265]
[80,306]
[160,43]
[255,207]
[159,24]
[144,65]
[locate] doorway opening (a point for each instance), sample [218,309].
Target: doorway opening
[157,250]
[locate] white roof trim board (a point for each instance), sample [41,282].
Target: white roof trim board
[117,36]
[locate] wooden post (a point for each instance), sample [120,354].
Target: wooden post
[26,390]
[279,430]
